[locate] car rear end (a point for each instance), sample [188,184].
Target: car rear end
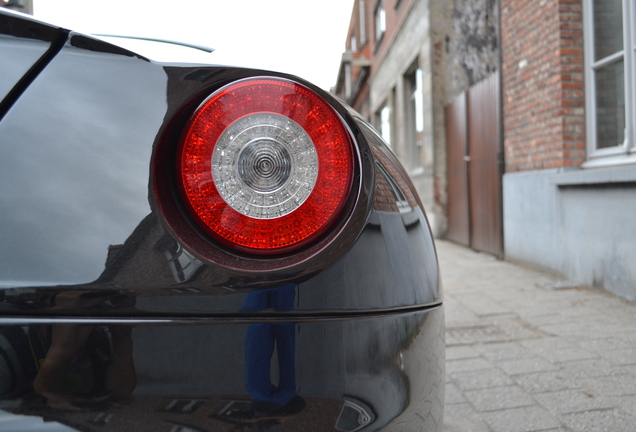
[190,247]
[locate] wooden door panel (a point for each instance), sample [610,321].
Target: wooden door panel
[457,171]
[484,176]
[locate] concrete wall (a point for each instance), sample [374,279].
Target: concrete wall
[411,43]
[578,223]
[529,214]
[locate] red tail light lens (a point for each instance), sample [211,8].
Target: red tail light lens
[265,165]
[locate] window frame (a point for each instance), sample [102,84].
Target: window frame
[414,117]
[379,20]
[362,22]
[384,117]
[348,75]
[625,152]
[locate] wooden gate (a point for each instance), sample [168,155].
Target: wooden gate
[475,167]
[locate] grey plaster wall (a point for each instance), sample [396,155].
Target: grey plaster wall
[529,214]
[598,236]
[411,43]
[582,228]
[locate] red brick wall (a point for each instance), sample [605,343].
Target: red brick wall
[543,102]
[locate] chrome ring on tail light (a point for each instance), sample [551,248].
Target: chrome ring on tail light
[265,165]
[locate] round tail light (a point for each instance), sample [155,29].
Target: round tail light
[265,165]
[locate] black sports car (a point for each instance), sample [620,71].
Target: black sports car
[201,248]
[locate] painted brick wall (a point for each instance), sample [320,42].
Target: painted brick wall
[543,86]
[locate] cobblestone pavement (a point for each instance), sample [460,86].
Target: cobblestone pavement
[522,357]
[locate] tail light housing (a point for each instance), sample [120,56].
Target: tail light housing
[264,166]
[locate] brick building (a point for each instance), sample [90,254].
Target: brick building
[557,186]
[569,191]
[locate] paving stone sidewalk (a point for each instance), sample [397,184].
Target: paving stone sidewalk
[524,358]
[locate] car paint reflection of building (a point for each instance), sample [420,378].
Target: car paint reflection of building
[162,372]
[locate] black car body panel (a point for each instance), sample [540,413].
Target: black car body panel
[186,372]
[92,254]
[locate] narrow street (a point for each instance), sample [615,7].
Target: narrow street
[524,355]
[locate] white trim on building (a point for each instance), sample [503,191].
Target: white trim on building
[609,81]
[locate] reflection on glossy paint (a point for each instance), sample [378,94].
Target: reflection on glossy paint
[348,374]
[393,257]
[272,403]
[76,186]
[68,365]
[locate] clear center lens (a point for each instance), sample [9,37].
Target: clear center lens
[264,165]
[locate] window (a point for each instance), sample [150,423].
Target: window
[383,121]
[414,117]
[609,62]
[363,23]
[380,21]
[182,264]
[348,79]
[353,44]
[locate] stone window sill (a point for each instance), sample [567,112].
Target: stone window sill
[604,175]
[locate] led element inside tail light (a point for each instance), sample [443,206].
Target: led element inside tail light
[265,165]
